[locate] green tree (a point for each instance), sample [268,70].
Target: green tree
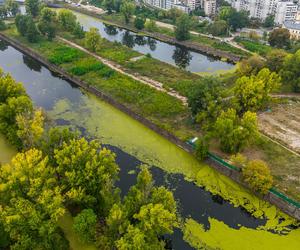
[78,31]
[205,100]
[269,21]
[109,5]
[127,9]
[67,19]
[238,20]
[250,66]
[21,24]
[182,29]
[201,150]
[85,225]
[3,12]
[290,71]
[280,38]
[92,39]
[2,25]
[151,25]
[32,7]
[253,93]
[218,28]
[30,128]
[139,22]
[225,13]
[47,23]
[12,7]
[31,203]
[88,174]
[32,32]
[235,133]
[275,59]
[258,176]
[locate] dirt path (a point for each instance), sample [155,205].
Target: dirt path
[145,80]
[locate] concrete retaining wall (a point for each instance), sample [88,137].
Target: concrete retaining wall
[233,174]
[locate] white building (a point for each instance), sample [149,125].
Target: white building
[286,11]
[181,7]
[282,9]
[193,4]
[210,7]
[294,29]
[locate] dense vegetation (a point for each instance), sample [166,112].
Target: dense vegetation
[58,171]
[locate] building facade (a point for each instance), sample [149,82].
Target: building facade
[294,29]
[210,7]
[283,10]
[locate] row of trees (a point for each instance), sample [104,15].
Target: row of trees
[48,24]
[59,171]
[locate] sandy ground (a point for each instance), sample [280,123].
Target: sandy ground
[282,123]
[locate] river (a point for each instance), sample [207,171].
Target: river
[175,55]
[133,144]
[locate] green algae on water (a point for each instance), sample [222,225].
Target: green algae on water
[221,236]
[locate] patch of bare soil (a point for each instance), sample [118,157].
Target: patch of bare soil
[282,123]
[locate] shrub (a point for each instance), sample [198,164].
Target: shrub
[258,176]
[85,225]
[106,72]
[2,25]
[201,149]
[64,54]
[85,66]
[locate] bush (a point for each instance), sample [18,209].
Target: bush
[2,25]
[258,176]
[106,72]
[201,149]
[64,54]
[85,66]
[85,225]
[139,22]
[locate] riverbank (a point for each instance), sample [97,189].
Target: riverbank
[197,43]
[164,133]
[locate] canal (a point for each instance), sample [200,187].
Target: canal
[134,144]
[175,55]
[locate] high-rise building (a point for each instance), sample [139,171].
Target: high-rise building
[209,6]
[281,9]
[193,4]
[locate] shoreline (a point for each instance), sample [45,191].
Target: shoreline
[272,197]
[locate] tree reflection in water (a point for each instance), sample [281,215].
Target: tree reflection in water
[128,39]
[182,57]
[3,45]
[110,30]
[140,40]
[32,64]
[151,43]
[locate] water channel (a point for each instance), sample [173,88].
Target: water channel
[171,54]
[133,144]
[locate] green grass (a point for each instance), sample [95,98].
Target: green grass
[255,47]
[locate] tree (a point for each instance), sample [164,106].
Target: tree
[253,93]
[2,25]
[151,25]
[182,28]
[88,174]
[205,100]
[258,176]
[201,149]
[290,71]
[235,133]
[32,7]
[146,214]
[225,13]
[269,21]
[30,128]
[32,32]
[67,19]
[85,225]
[78,31]
[218,28]
[3,12]
[139,22]
[250,66]
[275,59]
[280,38]
[127,9]
[31,203]
[47,23]
[12,7]
[21,24]
[109,5]
[238,19]
[92,39]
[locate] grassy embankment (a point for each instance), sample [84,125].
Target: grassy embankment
[253,46]
[201,40]
[162,109]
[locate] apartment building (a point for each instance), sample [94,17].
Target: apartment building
[210,7]
[283,10]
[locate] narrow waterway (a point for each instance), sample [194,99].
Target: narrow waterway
[171,54]
[133,144]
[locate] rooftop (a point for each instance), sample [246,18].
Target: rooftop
[292,25]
